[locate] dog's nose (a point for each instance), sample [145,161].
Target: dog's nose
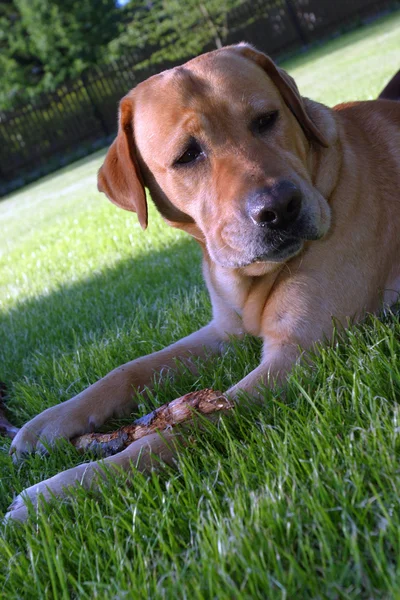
[276,206]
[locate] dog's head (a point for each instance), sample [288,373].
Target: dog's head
[224,144]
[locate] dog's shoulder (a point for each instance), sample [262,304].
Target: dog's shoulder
[370,112]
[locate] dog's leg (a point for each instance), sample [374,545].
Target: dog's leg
[142,455]
[276,363]
[114,395]
[152,449]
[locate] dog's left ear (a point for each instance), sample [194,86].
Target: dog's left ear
[289,91]
[119,177]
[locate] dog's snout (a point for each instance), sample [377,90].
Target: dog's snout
[276,206]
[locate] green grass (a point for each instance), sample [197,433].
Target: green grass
[298,498]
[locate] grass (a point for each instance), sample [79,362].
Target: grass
[299,498]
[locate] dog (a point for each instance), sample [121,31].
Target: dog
[296,208]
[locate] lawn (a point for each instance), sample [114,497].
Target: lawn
[298,498]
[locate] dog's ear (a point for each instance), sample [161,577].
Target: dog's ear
[119,177]
[288,90]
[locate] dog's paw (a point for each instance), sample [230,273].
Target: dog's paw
[45,429]
[55,488]
[17,511]
[40,492]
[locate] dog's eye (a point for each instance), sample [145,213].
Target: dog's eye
[265,122]
[192,153]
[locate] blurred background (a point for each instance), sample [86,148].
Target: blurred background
[64,64]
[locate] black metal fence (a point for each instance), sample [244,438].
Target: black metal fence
[81,115]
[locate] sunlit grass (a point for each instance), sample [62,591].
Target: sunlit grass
[298,498]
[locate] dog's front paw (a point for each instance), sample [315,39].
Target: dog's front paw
[57,422]
[17,511]
[55,487]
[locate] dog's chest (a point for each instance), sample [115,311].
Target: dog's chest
[246,296]
[230,287]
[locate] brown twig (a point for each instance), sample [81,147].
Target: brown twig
[204,402]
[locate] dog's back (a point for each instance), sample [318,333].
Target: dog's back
[392,89]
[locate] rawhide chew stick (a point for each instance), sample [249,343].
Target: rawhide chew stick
[204,402]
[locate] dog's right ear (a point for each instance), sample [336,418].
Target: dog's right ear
[119,177]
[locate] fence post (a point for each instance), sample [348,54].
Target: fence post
[291,9]
[96,111]
[3,145]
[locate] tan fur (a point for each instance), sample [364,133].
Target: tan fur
[345,161]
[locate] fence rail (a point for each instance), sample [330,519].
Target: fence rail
[81,115]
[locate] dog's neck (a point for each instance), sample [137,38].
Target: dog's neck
[324,164]
[244,293]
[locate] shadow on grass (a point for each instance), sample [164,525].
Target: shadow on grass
[134,292]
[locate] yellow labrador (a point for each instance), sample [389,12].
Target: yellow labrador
[297,210]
